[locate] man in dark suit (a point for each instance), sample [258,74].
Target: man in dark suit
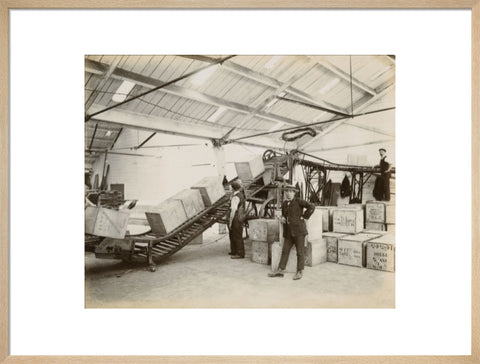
[294,230]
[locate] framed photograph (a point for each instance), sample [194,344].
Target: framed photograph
[241,201]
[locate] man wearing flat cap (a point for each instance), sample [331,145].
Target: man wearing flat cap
[384,186]
[235,226]
[294,213]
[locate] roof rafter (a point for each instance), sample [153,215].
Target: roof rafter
[340,122]
[369,128]
[352,145]
[138,121]
[272,96]
[322,61]
[148,82]
[269,81]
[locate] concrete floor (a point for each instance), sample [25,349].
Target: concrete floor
[204,276]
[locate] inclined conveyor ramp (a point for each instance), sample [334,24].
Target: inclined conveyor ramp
[152,248]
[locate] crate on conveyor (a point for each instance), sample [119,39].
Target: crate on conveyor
[211,189]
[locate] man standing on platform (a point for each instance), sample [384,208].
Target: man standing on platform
[294,230]
[235,226]
[385,167]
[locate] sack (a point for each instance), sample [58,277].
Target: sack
[242,213]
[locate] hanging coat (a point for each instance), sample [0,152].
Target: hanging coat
[345,187]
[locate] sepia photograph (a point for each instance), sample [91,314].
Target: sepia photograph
[241,202]
[240,181]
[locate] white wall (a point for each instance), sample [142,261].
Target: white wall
[167,170]
[154,173]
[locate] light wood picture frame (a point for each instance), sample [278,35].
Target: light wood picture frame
[7,5]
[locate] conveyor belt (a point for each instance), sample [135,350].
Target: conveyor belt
[153,248]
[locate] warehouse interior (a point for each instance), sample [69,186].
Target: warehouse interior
[159,128]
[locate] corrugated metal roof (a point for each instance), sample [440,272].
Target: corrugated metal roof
[251,93]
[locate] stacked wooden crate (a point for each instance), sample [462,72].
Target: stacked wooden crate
[381,253]
[380,215]
[331,239]
[352,249]
[263,232]
[327,217]
[316,249]
[348,219]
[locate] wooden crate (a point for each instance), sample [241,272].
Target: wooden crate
[327,217]
[166,216]
[332,245]
[109,223]
[265,230]
[261,252]
[380,212]
[314,225]
[352,249]
[375,226]
[277,254]
[211,189]
[316,252]
[348,220]
[191,200]
[381,253]
[250,169]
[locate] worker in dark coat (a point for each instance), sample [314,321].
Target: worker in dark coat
[294,213]
[235,226]
[385,174]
